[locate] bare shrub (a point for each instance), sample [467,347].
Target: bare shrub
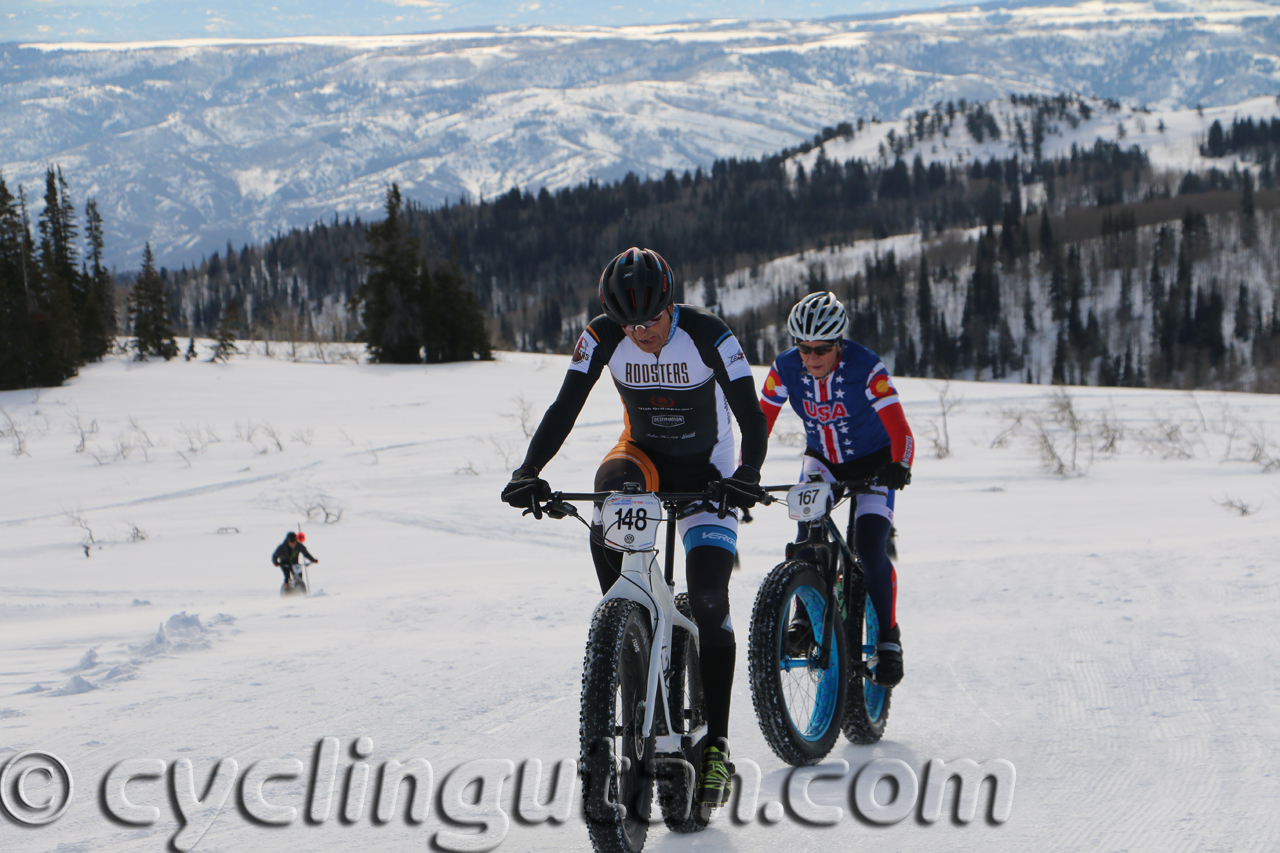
[1260,450]
[938,433]
[1108,432]
[83,430]
[506,448]
[1167,438]
[523,415]
[318,507]
[272,435]
[1013,425]
[141,433]
[79,519]
[17,436]
[304,436]
[1238,506]
[196,439]
[123,445]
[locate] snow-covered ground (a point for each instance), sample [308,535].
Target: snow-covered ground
[1111,631]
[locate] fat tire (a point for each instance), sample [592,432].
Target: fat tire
[614,679]
[861,725]
[688,714]
[768,690]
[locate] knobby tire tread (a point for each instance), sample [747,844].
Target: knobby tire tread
[602,670]
[763,656]
[858,726]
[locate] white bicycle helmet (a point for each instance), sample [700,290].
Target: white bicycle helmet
[818,317]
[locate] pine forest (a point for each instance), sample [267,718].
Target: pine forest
[1090,266]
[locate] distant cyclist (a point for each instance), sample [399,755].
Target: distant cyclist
[855,428]
[291,550]
[681,375]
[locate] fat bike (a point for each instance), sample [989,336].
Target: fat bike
[812,646]
[296,582]
[642,722]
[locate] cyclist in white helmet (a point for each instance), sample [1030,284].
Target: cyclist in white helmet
[855,428]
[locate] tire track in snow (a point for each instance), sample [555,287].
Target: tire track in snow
[170,496]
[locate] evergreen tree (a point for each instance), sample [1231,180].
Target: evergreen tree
[149,314]
[924,314]
[1242,314]
[411,311]
[1075,293]
[98,315]
[1155,284]
[1248,215]
[56,353]
[1058,287]
[391,295]
[982,306]
[16,301]
[456,324]
[224,338]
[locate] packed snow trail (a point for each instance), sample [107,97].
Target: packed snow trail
[1110,630]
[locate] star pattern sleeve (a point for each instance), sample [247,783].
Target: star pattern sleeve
[884,400]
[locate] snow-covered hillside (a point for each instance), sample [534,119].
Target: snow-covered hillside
[1172,138]
[1095,605]
[192,144]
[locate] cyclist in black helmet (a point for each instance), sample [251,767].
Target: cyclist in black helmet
[681,375]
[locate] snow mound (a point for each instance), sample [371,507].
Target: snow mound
[88,661]
[76,685]
[181,633]
[121,672]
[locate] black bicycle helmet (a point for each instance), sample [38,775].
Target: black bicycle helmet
[636,286]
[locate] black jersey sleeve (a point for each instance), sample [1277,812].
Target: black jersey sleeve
[592,353]
[721,352]
[741,395]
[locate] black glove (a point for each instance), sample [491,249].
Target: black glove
[525,488]
[894,475]
[741,488]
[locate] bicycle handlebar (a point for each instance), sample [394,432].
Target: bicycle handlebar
[557,507]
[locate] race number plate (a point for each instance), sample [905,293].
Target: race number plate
[808,501]
[631,521]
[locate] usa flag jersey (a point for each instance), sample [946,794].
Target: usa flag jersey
[851,412]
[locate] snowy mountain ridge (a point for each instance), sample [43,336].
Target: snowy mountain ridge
[189,144]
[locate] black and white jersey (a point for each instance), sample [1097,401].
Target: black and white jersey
[677,403]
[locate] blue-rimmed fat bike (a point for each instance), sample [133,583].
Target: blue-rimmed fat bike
[814,632]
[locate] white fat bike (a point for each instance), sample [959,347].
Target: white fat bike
[296,583]
[642,720]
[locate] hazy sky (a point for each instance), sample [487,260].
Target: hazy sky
[116,20]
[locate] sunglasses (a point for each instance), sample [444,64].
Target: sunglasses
[640,327]
[820,349]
